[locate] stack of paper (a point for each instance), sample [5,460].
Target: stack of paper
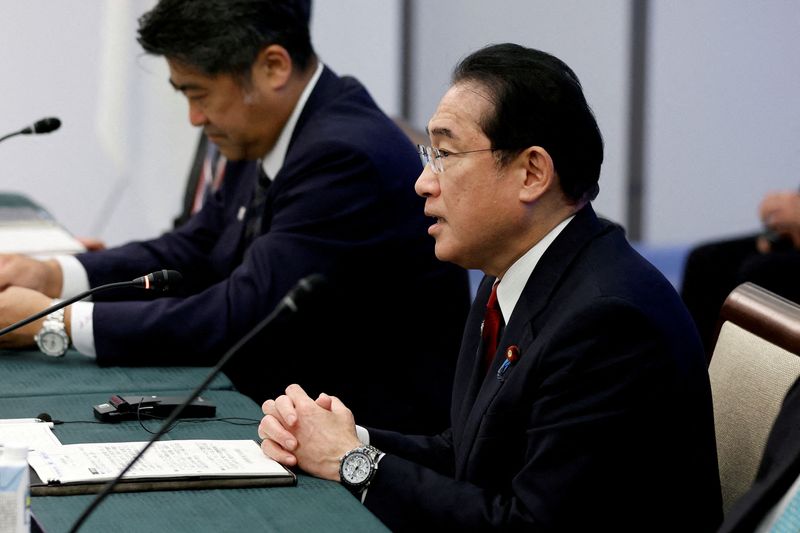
[167,465]
[30,432]
[31,230]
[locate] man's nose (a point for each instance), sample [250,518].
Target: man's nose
[196,115]
[427,183]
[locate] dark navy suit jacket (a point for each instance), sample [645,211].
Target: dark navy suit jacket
[385,334]
[603,424]
[779,468]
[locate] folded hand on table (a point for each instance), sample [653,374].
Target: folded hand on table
[312,434]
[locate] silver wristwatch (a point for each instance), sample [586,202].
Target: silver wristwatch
[52,339]
[358,467]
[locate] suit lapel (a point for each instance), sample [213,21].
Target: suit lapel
[544,281]
[327,89]
[469,371]
[326,85]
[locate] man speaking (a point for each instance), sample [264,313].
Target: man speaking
[581,398]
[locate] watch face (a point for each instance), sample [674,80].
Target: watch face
[356,468]
[52,343]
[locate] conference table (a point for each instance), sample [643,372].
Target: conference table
[67,388]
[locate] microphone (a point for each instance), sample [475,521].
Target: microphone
[294,300]
[162,280]
[45,125]
[45,417]
[159,281]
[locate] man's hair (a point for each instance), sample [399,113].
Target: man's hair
[225,36]
[538,101]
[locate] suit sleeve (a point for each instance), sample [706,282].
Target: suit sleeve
[556,455]
[433,452]
[331,206]
[183,249]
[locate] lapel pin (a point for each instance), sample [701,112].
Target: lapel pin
[512,356]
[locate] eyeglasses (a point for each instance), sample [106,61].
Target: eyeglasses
[435,157]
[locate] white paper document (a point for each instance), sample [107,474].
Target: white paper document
[87,463]
[35,435]
[30,229]
[39,239]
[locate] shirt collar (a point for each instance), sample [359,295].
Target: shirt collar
[273,161]
[516,277]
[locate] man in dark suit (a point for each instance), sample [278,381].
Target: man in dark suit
[775,483]
[593,411]
[332,194]
[770,259]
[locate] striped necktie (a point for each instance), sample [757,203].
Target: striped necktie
[255,211]
[212,172]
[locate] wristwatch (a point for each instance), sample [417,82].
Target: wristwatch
[52,339]
[358,467]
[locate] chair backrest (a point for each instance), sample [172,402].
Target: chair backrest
[755,362]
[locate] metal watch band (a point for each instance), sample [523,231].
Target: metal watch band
[53,325]
[373,454]
[56,316]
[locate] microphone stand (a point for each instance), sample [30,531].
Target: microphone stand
[289,302]
[159,280]
[4,137]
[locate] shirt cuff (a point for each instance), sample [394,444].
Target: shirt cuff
[362,434]
[82,328]
[75,278]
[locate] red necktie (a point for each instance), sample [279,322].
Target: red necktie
[491,327]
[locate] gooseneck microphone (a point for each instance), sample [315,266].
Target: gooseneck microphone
[294,300]
[162,280]
[45,125]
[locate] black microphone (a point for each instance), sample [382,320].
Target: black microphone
[45,417]
[45,125]
[294,300]
[162,280]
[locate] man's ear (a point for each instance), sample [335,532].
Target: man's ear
[539,173]
[272,68]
